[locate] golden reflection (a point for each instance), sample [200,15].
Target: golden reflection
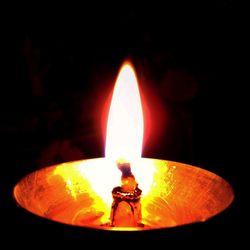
[79,193]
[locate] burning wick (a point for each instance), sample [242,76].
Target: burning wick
[76,193]
[126,206]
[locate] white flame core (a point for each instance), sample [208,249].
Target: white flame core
[124,135]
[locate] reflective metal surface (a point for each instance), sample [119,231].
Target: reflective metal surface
[177,194]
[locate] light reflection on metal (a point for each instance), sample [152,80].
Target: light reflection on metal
[178,194]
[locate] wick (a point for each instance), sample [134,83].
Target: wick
[125,169]
[126,207]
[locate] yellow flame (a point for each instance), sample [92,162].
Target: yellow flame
[124,140]
[125,120]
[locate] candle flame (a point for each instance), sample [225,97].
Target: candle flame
[124,135]
[80,192]
[124,140]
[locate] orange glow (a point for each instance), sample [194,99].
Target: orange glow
[179,194]
[125,120]
[80,192]
[124,139]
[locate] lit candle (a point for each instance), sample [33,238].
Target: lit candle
[124,191]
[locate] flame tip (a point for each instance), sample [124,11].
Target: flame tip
[125,120]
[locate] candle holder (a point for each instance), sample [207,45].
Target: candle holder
[79,193]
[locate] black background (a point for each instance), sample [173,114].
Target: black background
[59,69]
